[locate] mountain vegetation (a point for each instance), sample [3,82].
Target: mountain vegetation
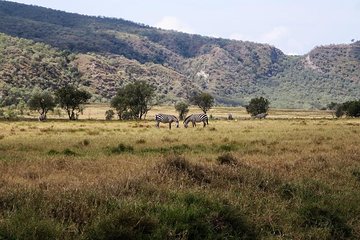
[49,49]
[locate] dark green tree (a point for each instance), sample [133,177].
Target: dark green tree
[109,114]
[204,101]
[182,108]
[351,108]
[134,100]
[72,100]
[257,106]
[41,101]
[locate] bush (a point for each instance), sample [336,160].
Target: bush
[28,225]
[109,114]
[192,216]
[226,159]
[179,166]
[122,148]
[258,106]
[350,108]
[320,217]
[124,224]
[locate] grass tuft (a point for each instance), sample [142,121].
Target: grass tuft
[320,217]
[226,159]
[122,148]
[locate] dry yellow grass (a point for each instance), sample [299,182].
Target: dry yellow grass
[318,159]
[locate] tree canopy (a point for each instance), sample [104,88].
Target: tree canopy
[258,106]
[205,101]
[72,99]
[182,108]
[134,100]
[41,101]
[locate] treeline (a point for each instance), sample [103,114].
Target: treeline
[349,108]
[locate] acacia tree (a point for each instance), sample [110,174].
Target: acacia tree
[182,108]
[258,106]
[72,99]
[203,100]
[41,102]
[134,100]
[350,108]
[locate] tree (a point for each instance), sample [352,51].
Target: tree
[203,100]
[258,106]
[182,108]
[109,114]
[134,100]
[353,109]
[41,102]
[72,99]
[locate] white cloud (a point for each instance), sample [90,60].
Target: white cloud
[239,36]
[172,23]
[276,34]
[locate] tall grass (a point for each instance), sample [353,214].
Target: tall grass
[248,179]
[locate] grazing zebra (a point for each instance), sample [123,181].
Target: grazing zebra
[42,117]
[196,118]
[164,118]
[260,116]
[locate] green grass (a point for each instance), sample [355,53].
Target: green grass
[248,179]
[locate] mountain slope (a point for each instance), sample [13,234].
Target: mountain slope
[108,53]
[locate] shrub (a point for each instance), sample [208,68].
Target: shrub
[320,217]
[226,159]
[28,225]
[52,152]
[179,166]
[141,141]
[123,224]
[122,148]
[356,174]
[227,147]
[194,217]
[69,152]
[287,191]
[109,114]
[86,142]
[258,106]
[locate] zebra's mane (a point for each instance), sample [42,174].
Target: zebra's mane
[187,117]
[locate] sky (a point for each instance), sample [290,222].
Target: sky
[295,27]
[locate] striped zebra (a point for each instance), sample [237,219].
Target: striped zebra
[260,115]
[42,117]
[164,118]
[196,118]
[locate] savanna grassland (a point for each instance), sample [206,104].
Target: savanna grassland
[295,175]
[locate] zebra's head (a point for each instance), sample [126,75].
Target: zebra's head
[186,121]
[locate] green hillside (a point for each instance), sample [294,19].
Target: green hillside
[105,53]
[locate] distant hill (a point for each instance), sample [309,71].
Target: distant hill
[106,53]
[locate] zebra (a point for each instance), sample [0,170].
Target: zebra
[164,118]
[260,115]
[42,117]
[196,118]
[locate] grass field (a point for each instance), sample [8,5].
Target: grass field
[295,175]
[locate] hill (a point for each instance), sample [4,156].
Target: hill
[106,53]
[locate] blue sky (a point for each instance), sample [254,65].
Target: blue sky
[293,26]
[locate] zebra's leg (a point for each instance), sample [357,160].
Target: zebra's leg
[157,124]
[204,123]
[169,125]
